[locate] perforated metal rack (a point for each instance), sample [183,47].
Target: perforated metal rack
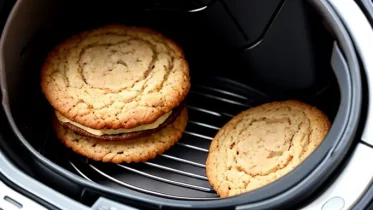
[179,173]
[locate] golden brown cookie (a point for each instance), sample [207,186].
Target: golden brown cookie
[262,144]
[136,150]
[115,77]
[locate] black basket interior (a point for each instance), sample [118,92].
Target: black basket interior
[284,54]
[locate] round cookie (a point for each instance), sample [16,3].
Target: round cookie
[262,144]
[136,150]
[115,77]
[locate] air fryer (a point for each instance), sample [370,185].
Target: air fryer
[241,54]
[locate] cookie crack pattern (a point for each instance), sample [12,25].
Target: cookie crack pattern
[128,76]
[262,144]
[150,67]
[271,154]
[107,46]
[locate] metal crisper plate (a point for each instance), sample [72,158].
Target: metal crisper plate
[179,173]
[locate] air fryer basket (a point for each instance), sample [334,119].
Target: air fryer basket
[286,51]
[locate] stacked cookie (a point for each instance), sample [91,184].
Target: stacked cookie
[117,92]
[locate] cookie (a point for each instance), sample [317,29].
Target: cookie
[262,144]
[136,150]
[115,77]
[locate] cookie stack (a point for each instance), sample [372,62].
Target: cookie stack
[117,93]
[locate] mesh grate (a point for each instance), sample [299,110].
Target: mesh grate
[179,173]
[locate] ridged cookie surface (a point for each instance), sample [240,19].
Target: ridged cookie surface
[115,77]
[262,144]
[136,150]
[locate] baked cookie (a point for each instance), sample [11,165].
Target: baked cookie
[115,79]
[262,144]
[135,150]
